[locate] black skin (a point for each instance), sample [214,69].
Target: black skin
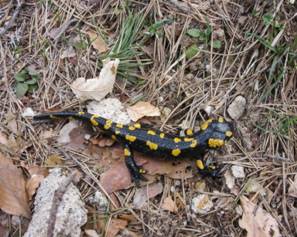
[212,135]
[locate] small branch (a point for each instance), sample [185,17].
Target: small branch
[58,196]
[7,26]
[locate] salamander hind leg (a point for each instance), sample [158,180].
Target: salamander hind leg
[136,171]
[207,170]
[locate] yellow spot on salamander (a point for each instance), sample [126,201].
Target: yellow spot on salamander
[221,120]
[130,138]
[176,139]
[119,125]
[107,124]
[81,113]
[151,132]
[204,126]
[113,137]
[215,143]
[175,152]
[127,152]
[162,135]
[189,132]
[93,120]
[209,121]
[137,125]
[194,144]
[228,133]
[117,132]
[142,171]
[188,139]
[151,145]
[200,164]
[131,128]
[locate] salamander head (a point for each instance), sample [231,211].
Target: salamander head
[214,133]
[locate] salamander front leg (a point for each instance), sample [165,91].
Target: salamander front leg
[209,170]
[135,170]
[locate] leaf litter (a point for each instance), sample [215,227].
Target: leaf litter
[13,195]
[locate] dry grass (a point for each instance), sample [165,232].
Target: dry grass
[256,59]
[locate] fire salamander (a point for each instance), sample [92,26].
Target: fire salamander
[211,135]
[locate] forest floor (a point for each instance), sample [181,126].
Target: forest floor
[188,61]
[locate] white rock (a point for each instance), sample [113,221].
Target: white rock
[28,112]
[238,171]
[71,213]
[110,108]
[237,107]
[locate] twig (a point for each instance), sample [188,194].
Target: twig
[58,196]
[9,24]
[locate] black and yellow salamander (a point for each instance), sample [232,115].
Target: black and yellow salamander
[211,135]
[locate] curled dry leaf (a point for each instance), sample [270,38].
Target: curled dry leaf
[13,196]
[145,193]
[98,87]
[97,41]
[115,226]
[142,109]
[256,221]
[169,205]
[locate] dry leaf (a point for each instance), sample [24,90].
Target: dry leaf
[173,169]
[145,193]
[102,141]
[54,160]
[97,41]
[3,139]
[13,196]
[37,174]
[142,109]
[256,221]
[169,205]
[116,178]
[115,226]
[91,233]
[201,204]
[64,134]
[98,87]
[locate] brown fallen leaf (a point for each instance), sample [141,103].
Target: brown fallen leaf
[37,174]
[169,205]
[116,178]
[115,226]
[141,109]
[256,221]
[97,41]
[13,196]
[145,193]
